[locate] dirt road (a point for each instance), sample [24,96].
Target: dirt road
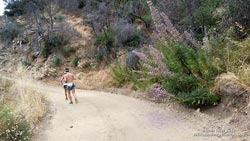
[102,116]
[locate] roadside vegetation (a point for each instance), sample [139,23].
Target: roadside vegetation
[21,109]
[183,65]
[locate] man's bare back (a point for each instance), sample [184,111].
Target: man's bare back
[69,77]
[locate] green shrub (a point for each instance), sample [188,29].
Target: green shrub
[59,17]
[75,61]
[57,61]
[199,97]
[125,75]
[106,39]
[181,83]
[46,51]
[99,56]
[25,63]
[121,74]
[147,20]
[134,10]
[132,61]
[15,8]
[53,42]
[194,74]
[9,32]
[181,59]
[66,52]
[133,41]
[81,4]
[204,16]
[71,50]
[104,46]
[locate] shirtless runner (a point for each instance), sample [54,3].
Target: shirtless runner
[70,86]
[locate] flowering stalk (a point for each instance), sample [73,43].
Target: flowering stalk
[164,29]
[156,58]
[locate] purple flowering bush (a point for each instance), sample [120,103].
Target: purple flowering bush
[157,93]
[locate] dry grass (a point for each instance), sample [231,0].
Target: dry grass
[29,103]
[244,74]
[5,85]
[19,104]
[94,79]
[83,30]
